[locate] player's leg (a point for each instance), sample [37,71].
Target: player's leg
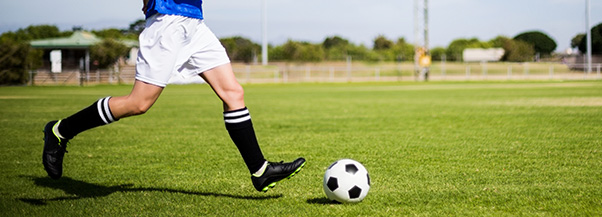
[238,123]
[160,43]
[110,109]
[138,102]
[102,112]
[236,116]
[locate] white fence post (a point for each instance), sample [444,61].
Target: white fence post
[349,68]
[509,72]
[307,73]
[443,67]
[484,68]
[248,73]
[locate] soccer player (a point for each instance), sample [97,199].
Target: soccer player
[175,39]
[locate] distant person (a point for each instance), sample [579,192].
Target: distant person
[175,39]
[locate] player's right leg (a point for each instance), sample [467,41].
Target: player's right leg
[104,111]
[160,42]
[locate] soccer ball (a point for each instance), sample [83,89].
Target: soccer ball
[346,181]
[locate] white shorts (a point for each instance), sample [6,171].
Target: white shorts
[176,44]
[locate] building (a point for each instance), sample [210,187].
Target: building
[70,56]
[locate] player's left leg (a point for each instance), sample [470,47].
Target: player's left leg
[238,123]
[102,112]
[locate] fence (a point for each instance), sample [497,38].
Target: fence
[440,71]
[351,72]
[77,77]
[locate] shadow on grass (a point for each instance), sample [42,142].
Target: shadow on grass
[322,201]
[80,189]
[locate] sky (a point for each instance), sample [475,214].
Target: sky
[314,20]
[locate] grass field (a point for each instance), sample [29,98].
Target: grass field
[432,149]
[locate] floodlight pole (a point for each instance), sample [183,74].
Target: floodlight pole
[589,36]
[421,45]
[264,33]
[426,39]
[416,38]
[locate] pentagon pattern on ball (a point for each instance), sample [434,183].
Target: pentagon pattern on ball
[351,168]
[355,192]
[333,183]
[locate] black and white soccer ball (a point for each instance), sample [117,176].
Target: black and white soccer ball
[346,181]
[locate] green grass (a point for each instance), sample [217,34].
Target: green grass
[432,149]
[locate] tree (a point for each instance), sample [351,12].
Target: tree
[514,51]
[456,47]
[335,41]
[596,35]
[382,43]
[437,53]
[240,49]
[17,57]
[38,32]
[541,42]
[577,40]
[336,48]
[109,33]
[298,51]
[403,50]
[107,52]
[137,27]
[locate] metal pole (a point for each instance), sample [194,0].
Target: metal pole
[87,65]
[426,39]
[589,36]
[264,33]
[416,37]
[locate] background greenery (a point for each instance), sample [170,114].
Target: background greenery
[17,58]
[432,149]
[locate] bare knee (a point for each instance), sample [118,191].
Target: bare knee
[140,108]
[233,98]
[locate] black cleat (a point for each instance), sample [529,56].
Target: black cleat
[54,150]
[275,172]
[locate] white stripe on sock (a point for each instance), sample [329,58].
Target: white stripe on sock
[238,120]
[238,113]
[99,107]
[108,110]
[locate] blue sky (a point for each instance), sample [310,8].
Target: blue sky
[313,20]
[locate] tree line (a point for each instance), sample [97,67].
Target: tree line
[17,57]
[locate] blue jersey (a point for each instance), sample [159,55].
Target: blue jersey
[186,8]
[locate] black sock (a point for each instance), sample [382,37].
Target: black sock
[240,128]
[95,115]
